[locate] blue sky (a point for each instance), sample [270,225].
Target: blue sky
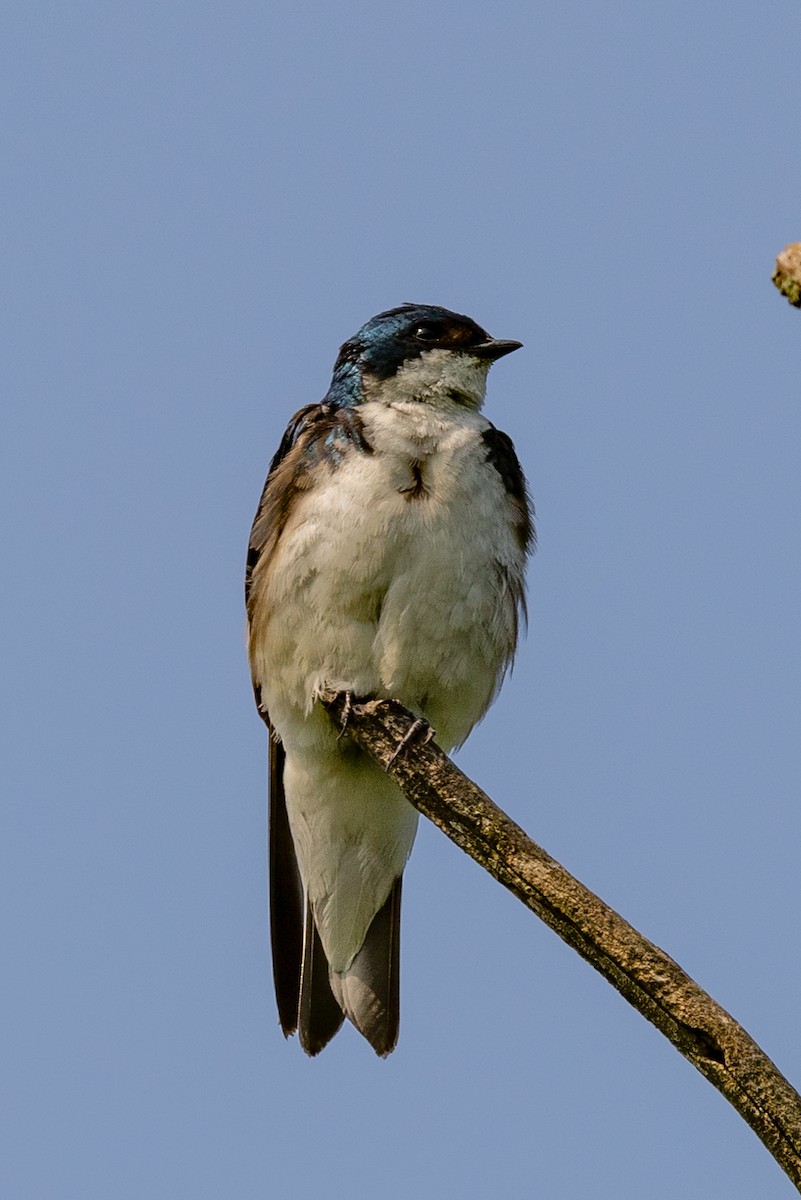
[202,201]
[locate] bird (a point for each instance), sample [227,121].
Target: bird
[386,560]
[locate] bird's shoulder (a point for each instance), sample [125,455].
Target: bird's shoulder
[319,433]
[316,439]
[501,455]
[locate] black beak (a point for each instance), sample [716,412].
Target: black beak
[494,348]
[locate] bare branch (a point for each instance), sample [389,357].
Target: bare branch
[643,974]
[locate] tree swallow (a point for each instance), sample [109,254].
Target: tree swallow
[386,559]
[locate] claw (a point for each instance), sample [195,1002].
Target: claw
[346,711]
[414,731]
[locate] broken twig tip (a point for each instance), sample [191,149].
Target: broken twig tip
[787,275]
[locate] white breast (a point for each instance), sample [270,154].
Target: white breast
[391,576]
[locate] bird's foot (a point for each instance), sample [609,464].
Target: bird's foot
[419,730]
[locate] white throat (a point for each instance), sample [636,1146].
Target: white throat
[442,378]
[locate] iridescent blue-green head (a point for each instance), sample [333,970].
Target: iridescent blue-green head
[418,352]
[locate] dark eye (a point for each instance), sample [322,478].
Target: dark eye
[427,331]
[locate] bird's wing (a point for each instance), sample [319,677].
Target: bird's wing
[286,899]
[319,1012]
[501,455]
[315,439]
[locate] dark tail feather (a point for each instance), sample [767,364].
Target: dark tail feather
[369,991]
[319,1014]
[286,900]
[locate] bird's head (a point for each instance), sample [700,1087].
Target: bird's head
[417,352]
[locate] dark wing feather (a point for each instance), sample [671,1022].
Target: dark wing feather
[319,1015]
[501,455]
[286,900]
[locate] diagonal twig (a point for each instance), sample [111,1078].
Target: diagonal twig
[644,975]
